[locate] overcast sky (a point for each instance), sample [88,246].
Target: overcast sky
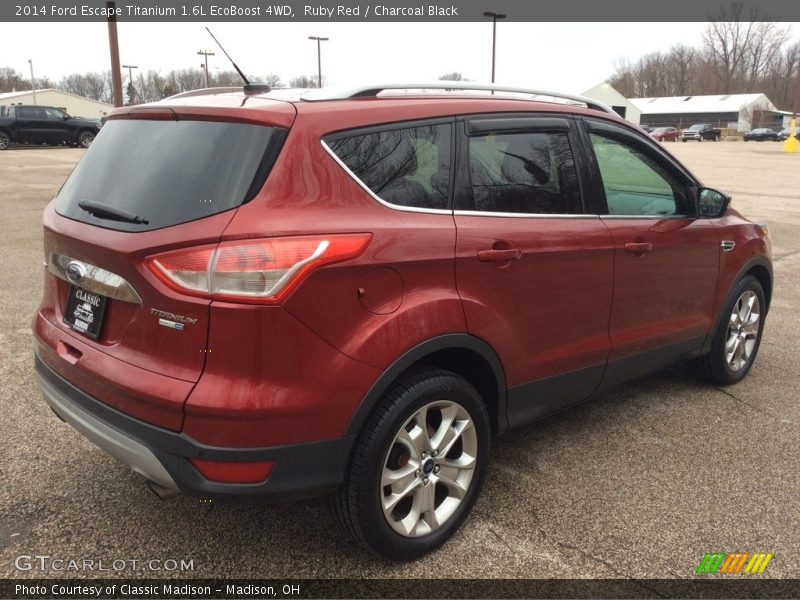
[567,57]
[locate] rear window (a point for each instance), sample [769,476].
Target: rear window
[169,172]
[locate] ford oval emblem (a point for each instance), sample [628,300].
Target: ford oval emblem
[75,272]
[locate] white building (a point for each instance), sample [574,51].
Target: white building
[742,112]
[605,93]
[76,106]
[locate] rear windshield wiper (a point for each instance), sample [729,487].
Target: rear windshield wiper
[106,211]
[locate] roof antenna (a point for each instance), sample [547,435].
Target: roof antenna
[249,88]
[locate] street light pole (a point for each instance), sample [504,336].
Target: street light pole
[33,81]
[131,89]
[494,17]
[319,57]
[206,54]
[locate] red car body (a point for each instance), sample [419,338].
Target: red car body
[665,134]
[241,396]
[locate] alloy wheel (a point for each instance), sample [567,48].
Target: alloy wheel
[429,468]
[743,328]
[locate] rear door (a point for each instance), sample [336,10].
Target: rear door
[30,125]
[534,265]
[666,259]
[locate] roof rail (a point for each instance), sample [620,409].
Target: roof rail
[373,90]
[205,92]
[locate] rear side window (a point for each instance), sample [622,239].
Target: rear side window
[404,167]
[526,172]
[169,172]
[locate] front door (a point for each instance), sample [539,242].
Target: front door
[665,259]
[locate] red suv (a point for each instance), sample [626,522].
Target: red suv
[353,293]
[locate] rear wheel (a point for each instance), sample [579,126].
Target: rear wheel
[738,335]
[85,138]
[5,140]
[417,467]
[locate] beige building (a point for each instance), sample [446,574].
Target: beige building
[76,106]
[605,93]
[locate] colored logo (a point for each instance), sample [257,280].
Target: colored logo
[735,563]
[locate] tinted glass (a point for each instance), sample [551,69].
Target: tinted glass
[634,184]
[54,113]
[526,172]
[168,172]
[27,112]
[405,167]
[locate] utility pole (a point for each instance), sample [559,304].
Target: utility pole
[33,81]
[319,41]
[131,89]
[113,44]
[205,54]
[494,17]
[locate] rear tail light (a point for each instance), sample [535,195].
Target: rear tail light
[261,271]
[234,472]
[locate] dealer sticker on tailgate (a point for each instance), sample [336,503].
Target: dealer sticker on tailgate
[85,311]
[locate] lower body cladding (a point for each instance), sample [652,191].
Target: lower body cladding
[174,462]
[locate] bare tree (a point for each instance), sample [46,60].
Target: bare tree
[273,80]
[305,81]
[454,76]
[10,80]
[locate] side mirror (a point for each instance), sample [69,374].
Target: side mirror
[65,117]
[713,203]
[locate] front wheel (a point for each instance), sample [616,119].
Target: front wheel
[417,467]
[5,140]
[738,335]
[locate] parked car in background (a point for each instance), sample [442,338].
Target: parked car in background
[646,128]
[700,132]
[665,134]
[23,124]
[353,292]
[783,135]
[762,134]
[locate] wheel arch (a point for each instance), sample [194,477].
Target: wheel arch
[463,354]
[760,268]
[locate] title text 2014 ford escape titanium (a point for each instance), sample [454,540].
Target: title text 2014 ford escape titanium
[353,293]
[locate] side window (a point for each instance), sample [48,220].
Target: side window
[53,113]
[29,112]
[404,167]
[635,185]
[525,172]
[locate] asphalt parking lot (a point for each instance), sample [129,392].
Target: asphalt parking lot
[639,483]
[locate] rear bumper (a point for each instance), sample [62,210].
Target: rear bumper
[163,456]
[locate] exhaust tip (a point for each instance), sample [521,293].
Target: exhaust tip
[164,493]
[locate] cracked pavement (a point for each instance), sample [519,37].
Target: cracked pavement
[638,483]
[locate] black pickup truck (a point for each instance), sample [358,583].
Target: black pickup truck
[23,124]
[700,132]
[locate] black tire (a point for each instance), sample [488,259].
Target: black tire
[5,140]
[85,138]
[713,366]
[683,140]
[357,505]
